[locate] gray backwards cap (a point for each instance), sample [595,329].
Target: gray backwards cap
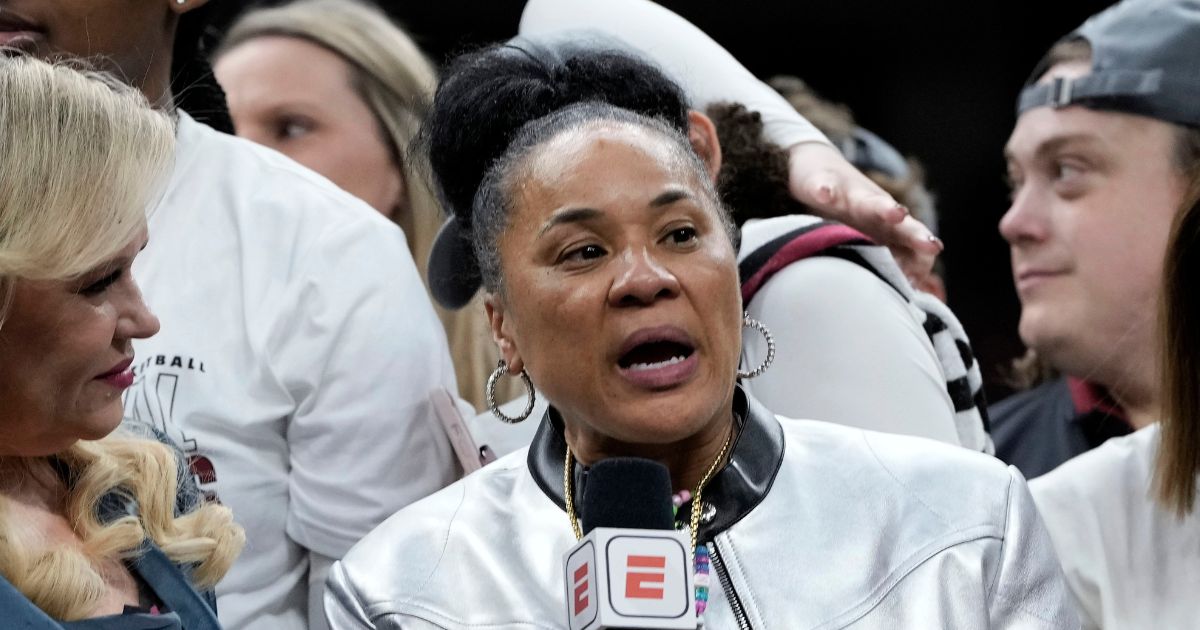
[1145,61]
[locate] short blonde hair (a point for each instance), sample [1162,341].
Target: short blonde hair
[82,157]
[78,151]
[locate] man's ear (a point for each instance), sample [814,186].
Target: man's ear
[501,327]
[702,133]
[179,7]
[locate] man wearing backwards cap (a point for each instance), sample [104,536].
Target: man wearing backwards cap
[1106,142]
[1104,146]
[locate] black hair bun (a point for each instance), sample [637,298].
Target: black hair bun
[487,96]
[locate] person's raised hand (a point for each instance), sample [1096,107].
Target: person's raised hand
[820,178]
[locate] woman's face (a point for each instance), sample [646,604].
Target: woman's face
[299,99]
[621,289]
[65,356]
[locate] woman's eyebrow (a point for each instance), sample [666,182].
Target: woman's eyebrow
[577,215]
[670,196]
[570,215]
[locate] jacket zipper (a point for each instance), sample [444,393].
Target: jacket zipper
[731,595]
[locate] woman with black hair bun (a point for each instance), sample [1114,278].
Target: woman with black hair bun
[855,343]
[536,80]
[341,89]
[299,351]
[612,288]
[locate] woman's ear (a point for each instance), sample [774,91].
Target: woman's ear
[702,133]
[179,7]
[501,326]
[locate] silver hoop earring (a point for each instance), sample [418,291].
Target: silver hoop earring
[757,325]
[501,370]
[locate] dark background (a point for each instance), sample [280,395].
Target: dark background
[936,78]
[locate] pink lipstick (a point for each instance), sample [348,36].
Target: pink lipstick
[121,376]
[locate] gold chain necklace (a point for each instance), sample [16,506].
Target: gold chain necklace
[568,468]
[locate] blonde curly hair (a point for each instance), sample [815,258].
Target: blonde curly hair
[81,158]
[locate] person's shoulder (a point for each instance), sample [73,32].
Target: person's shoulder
[407,548]
[810,277]
[1100,513]
[829,287]
[949,484]
[758,232]
[1117,471]
[437,513]
[457,546]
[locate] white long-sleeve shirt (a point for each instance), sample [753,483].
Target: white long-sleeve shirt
[706,71]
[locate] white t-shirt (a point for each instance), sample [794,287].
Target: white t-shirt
[297,354]
[1131,565]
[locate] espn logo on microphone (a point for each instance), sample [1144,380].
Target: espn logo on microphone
[624,578]
[582,583]
[644,577]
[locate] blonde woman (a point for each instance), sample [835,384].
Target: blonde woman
[97,531]
[334,85]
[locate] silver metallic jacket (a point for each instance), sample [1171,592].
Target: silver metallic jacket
[815,526]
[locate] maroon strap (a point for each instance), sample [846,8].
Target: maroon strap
[764,262]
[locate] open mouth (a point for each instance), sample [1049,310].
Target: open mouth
[658,358]
[654,355]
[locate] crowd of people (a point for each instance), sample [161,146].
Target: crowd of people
[298,332]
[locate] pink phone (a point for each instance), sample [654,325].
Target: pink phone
[470,456]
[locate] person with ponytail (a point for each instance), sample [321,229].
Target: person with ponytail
[336,86]
[100,528]
[300,355]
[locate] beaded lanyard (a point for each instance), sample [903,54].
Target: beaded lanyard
[700,555]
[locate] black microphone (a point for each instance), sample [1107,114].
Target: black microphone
[627,492]
[631,569]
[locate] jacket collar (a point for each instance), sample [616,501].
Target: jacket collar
[733,492]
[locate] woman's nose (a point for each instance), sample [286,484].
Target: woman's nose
[136,320]
[642,280]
